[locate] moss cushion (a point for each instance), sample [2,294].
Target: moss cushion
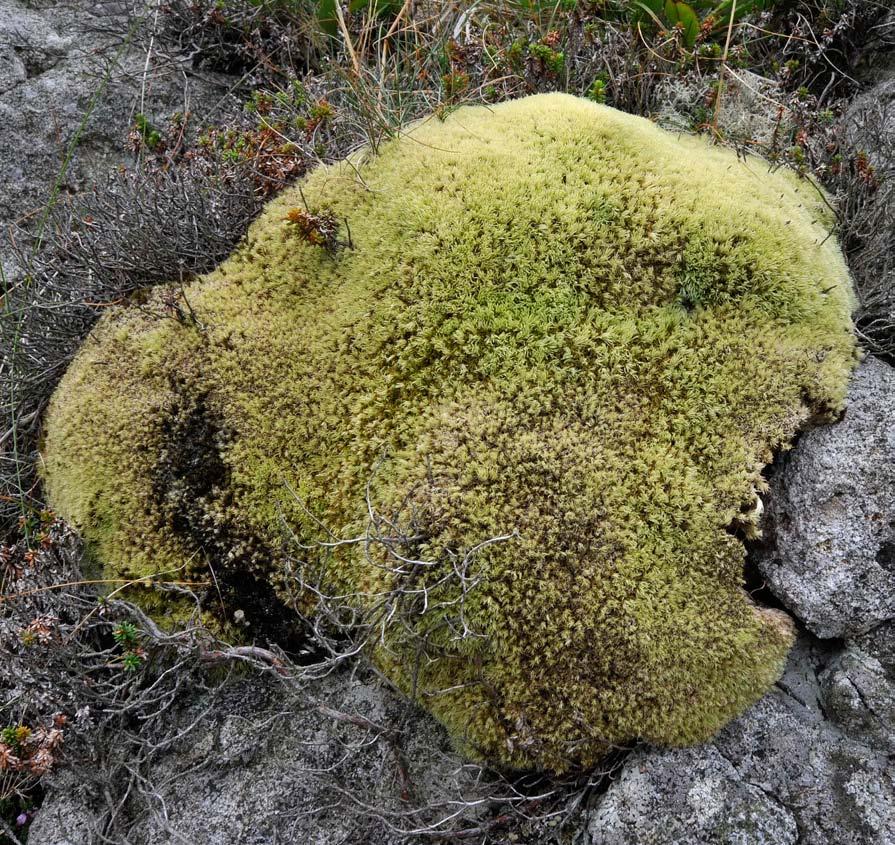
[505,390]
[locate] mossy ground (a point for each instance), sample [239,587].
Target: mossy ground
[547,322]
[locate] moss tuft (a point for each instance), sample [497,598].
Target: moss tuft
[551,353]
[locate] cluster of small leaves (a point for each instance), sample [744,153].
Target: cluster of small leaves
[318,229]
[127,638]
[145,134]
[38,528]
[31,750]
[27,753]
[41,631]
[278,136]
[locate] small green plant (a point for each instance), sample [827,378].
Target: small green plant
[797,154]
[710,50]
[148,135]
[15,737]
[125,635]
[132,661]
[597,90]
[553,61]
[516,53]
[127,638]
[317,229]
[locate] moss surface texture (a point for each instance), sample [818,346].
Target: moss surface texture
[514,412]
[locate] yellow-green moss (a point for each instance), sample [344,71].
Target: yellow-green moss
[555,324]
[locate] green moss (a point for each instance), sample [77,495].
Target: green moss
[551,326]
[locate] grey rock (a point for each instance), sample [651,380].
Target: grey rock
[64,819]
[781,773]
[261,767]
[830,520]
[859,695]
[858,687]
[880,643]
[54,59]
[685,797]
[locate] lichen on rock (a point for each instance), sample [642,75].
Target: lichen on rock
[507,387]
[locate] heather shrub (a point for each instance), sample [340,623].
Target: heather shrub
[502,394]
